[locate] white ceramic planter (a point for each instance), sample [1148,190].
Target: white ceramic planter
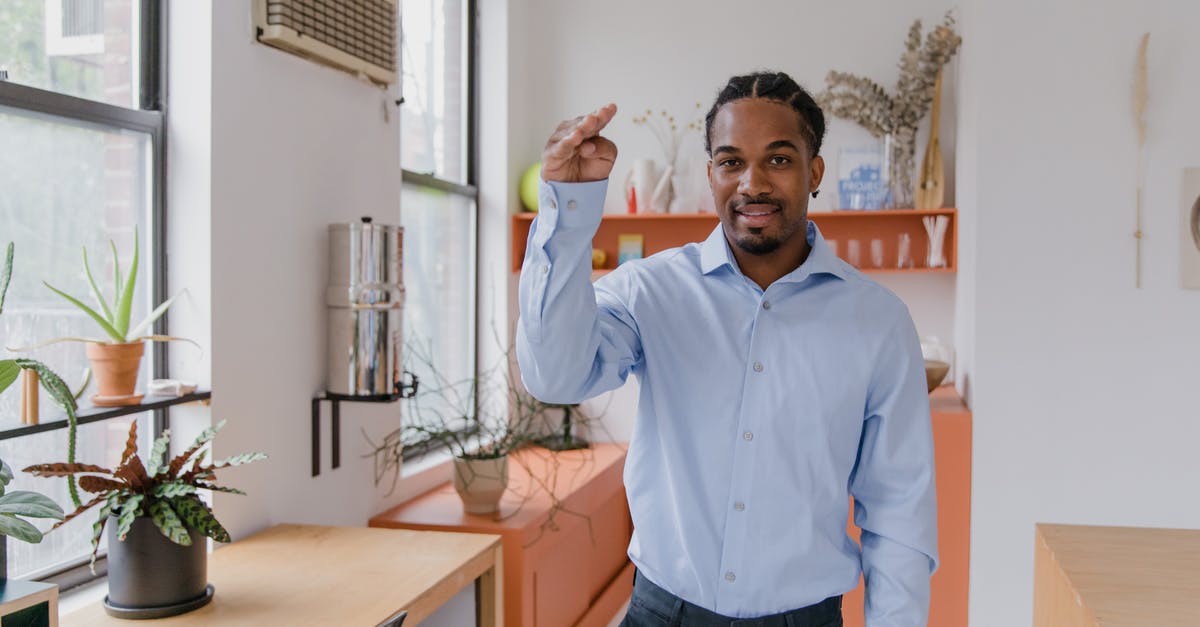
[480,483]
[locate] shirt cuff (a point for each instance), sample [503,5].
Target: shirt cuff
[573,205]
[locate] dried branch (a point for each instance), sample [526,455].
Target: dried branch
[862,101]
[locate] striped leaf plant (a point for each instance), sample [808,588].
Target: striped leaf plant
[165,490]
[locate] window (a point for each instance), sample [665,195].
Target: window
[438,203]
[80,165]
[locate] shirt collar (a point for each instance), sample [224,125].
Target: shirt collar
[715,253]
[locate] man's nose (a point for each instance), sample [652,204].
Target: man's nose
[754,182]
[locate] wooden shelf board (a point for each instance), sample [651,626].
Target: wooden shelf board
[664,231]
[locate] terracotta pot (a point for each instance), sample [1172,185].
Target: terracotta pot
[480,483]
[115,367]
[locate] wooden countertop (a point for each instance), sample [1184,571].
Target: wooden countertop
[310,575]
[1119,576]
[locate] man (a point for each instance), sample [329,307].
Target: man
[776,381]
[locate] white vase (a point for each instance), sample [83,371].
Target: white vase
[480,483]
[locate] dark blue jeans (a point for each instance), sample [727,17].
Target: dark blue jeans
[651,606]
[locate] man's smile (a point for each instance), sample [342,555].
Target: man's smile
[755,215]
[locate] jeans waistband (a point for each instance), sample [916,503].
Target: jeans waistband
[651,597]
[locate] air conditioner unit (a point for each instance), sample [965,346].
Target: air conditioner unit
[74,28]
[357,36]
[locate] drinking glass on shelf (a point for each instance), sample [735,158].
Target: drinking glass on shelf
[876,253]
[833,246]
[853,252]
[904,251]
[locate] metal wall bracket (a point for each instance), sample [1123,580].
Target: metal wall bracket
[403,390]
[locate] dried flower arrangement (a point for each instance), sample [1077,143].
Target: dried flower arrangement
[670,136]
[666,130]
[861,100]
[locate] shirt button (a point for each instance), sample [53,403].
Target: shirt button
[551,203]
[758,367]
[571,204]
[747,436]
[766,304]
[739,506]
[545,269]
[729,576]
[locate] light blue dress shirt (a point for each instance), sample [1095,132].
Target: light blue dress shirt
[761,413]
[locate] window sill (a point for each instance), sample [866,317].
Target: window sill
[79,597]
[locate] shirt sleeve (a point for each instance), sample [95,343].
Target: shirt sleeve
[573,341]
[893,485]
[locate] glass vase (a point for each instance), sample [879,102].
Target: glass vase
[899,148]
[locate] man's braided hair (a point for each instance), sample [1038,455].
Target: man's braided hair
[772,86]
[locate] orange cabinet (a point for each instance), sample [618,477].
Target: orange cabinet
[663,231]
[564,565]
[952,459]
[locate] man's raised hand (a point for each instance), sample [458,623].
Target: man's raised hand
[577,153]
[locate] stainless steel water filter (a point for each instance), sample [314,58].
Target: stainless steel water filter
[365,298]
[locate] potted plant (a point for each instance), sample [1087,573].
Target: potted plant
[156,521]
[480,446]
[51,382]
[26,602]
[116,362]
[480,420]
[19,503]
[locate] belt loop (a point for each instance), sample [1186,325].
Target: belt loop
[789,620]
[677,612]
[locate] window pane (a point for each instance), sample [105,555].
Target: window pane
[98,443]
[433,136]
[439,283]
[65,186]
[84,48]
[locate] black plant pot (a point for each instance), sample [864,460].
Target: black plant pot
[151,577]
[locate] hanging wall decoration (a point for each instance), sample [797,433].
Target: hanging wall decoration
[1141,96]
[1189,242]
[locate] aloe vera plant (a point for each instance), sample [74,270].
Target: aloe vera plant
[114,320]
[166,491]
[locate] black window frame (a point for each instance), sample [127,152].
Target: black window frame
[151,118]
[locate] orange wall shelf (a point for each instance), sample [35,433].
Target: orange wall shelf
[663,231]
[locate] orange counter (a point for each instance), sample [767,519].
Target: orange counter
[952,457]
[562,567]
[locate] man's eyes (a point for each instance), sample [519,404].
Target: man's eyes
[776,160]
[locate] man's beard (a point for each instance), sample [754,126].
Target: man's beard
[757,244]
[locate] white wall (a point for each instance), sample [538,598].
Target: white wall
[267,149]
[1084,387]
[667,55]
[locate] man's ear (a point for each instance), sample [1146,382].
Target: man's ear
[710,182]
[816,172]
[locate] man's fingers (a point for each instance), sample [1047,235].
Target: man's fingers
[579,138]
[565,147]
[594,122]
[602,148]
[605,115]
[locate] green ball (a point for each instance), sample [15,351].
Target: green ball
[529,186]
